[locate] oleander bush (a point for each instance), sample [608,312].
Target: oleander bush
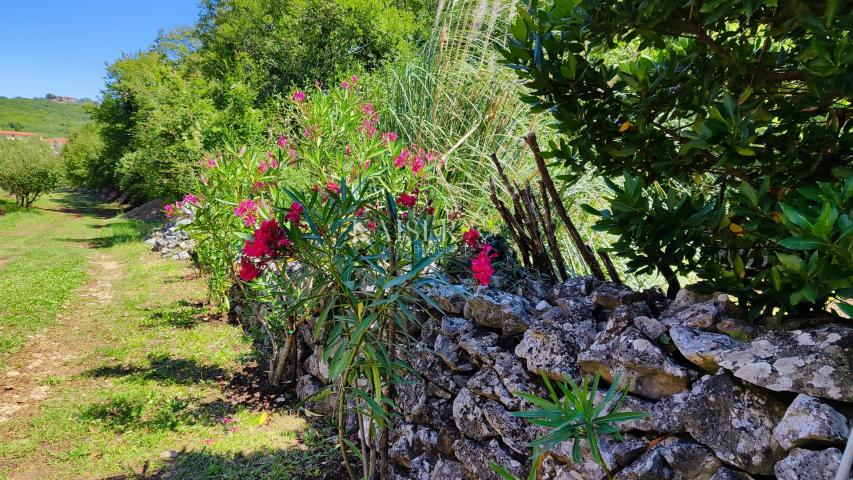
[335,228]
[730,124]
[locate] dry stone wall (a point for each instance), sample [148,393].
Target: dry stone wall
[727,399]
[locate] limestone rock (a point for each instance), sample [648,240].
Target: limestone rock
[650,466]
[450,298]
[573,287]
[424,361]
[633,356]
[735,421]
[453,356]
[486,383]
[400,450]
[802,464]
[552,349]
[685,298]
[429,331]
[616,454]
[725,473]
[514,431]
[700,316]
[570,311]
[476,456]
[702,349]
[412,400]
[808,421]
[651,327]
[455,327]
[422,466]
[689,460]
[512,373]
[480,345]
[667,413]
[611,295]
[447,470]
[817,362]
[621,318]
[469,416]
[496,309]
[308,385]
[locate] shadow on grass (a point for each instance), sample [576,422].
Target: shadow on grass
[313,459]
[126,413]
[163,369]
[181,314]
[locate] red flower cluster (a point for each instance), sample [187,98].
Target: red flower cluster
[270,240]
[481,264]
[407,200]
[471,237]
[416,159]
[295,213]
[246,210]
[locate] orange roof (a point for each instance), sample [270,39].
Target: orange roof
[12,133]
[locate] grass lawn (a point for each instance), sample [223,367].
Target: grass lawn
[133,370]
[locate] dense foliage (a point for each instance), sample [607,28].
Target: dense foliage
[343,246]
[731,123]
[84,157]
[42,116]
[28,168]
[226,79]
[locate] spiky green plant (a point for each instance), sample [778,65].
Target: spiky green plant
[572,414]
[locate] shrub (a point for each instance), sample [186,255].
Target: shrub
[83,157]
[347,255]
[28,168]
[724,116]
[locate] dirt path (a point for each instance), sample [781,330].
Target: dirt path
[55,351]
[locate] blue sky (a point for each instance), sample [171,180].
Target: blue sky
[62,47]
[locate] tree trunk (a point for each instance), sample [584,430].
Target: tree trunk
[278,362]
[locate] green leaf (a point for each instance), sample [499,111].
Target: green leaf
[749,192]
[795,243]
[794,216]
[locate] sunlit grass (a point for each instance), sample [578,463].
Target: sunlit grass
[148,394]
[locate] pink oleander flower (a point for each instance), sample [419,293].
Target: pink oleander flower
[170,210]
[471,237]
[246,210]
[309,132]
[417,164]
[258,186]
[368,109]
[389,137]
[210,162]
[333,187]
[273,162]
[372,225]
[263,167]
[295,213]
[282,141]
[407,200]
[348,150]
[404,216]
[481,265]
[345,85]
[191,199]
[354,79]
[401,159]
[430,210]
[366,164]
[298,96]
[359,212]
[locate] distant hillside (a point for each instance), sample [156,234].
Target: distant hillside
[46,117]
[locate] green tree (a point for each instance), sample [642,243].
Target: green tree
[84,157]
[28,168]
[731,121]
